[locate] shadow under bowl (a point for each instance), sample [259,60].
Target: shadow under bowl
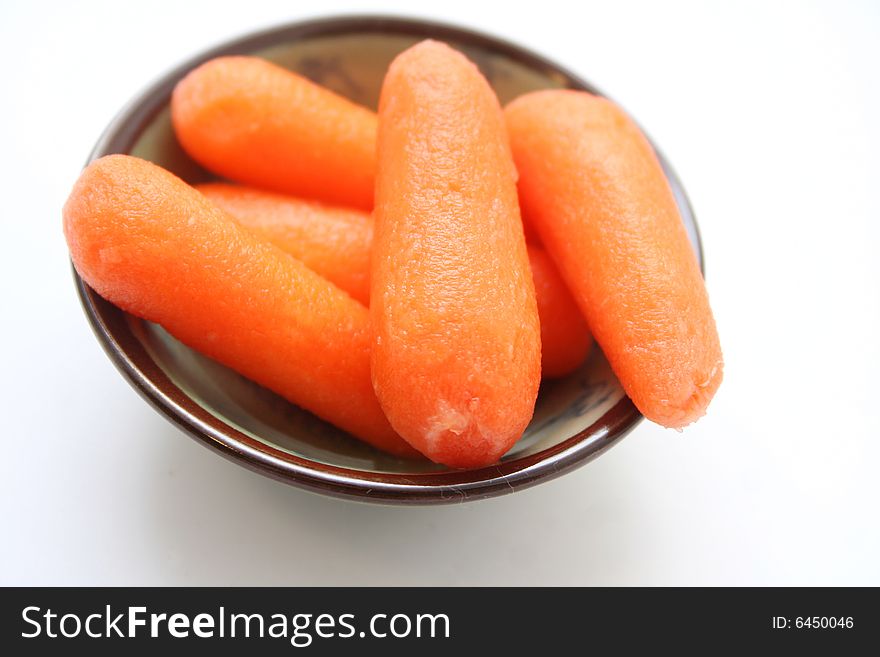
[576,418]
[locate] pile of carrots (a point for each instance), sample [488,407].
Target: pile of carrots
[374,268]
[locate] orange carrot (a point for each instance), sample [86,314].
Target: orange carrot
[336,243]
[593,188]
[456,351]
[149,243]
[247,119]
[532,237]
[565,338]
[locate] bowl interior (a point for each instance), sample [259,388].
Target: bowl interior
[353,64]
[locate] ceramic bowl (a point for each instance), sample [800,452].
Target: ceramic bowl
[576,418]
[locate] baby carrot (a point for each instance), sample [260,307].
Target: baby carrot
[249,120]
[565,338]
[333,241]
[456,340]
[593,188]
[149,243]
[336,243]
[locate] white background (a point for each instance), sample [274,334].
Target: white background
[769,112]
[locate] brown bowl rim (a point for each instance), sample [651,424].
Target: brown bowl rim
[132,360]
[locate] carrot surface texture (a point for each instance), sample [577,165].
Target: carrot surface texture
[336,243]
[333,241]
[456,338]
[149,243]
[593,188]
[565,338]
[249,120]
